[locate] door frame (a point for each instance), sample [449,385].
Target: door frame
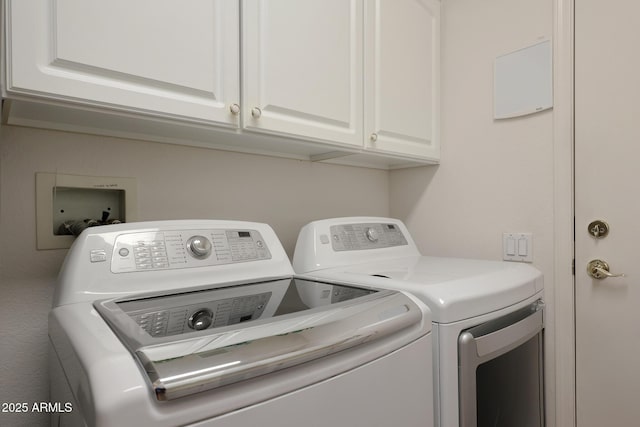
[563,411]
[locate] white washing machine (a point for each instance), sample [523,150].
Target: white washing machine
[488,317]
[201,323]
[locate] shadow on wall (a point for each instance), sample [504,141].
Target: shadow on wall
[407,188]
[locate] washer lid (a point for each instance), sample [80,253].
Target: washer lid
[454,289]
[241,332]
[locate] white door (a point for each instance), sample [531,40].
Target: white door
[402,62]
[302,68]
[164,57]
[607,187]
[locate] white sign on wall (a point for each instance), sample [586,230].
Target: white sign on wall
[523,81]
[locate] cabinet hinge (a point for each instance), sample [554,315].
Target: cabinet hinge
[573,267]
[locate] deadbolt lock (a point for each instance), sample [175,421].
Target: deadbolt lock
[598,229]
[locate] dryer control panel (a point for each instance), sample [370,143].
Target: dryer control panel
[147,251]
[351,237]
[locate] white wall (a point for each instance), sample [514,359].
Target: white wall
[495,176]
[174,182]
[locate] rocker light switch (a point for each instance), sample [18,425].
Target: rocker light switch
[517,247]
[511,246]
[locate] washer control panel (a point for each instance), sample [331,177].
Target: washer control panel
[175,315]
[352,237]
[148,251]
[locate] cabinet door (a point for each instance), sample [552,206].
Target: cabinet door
[302,68]
[164,57]
[402,77]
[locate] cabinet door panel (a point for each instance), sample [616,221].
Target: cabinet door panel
[160,56]
[303,68]
[401,76]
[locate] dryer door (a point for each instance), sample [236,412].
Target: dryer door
[500,371]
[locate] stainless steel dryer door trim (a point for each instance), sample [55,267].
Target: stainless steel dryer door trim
[488,341]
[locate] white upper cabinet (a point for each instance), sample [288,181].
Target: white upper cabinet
[346,81]
[302,68]
[303,72]
[161,57]
[402,77]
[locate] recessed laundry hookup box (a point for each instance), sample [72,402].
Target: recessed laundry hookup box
[67,204]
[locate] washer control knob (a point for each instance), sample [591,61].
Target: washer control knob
[199,247]
[372,234]
[201,319]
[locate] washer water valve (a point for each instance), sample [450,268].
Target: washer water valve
[75,227]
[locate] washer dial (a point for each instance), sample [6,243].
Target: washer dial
[372,234]
[201,319]
[199,247]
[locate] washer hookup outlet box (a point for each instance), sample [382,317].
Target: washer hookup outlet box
[66,204]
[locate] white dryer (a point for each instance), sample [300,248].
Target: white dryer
[488,320]
[202,323]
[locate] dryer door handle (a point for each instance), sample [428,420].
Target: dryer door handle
[499,336]
[510,337]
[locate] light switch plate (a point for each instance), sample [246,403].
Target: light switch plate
[517,247]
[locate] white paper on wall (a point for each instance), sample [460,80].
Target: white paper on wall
[523,81]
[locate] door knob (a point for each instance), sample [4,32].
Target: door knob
[599,269]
